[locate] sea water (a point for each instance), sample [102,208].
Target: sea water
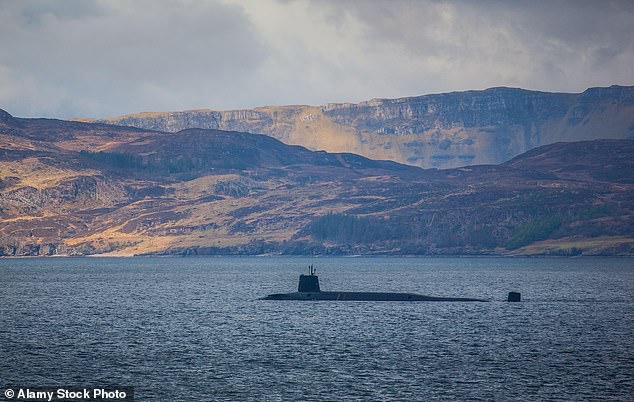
[194,329]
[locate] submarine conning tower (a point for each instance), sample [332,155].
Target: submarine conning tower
[310,282]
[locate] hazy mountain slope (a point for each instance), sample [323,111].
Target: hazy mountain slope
[78,188]
[443,130]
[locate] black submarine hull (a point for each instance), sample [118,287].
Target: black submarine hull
[364,296]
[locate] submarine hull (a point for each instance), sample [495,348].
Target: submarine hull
[364,296]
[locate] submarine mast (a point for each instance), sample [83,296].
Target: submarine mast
[310,282]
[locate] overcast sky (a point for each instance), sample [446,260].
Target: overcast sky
[82,58]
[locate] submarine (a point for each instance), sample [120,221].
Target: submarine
[308,289]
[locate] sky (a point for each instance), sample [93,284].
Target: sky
[91,58]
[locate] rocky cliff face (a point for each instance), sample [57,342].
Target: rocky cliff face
[431,131]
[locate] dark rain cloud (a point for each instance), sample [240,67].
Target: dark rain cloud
[103,58]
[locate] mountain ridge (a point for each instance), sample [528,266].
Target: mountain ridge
[69,188]
[444,130]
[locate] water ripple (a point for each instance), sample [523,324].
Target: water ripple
[192,329]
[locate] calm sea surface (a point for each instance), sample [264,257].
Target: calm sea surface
[193,329]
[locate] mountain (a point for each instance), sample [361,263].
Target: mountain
[431,131]
[73,188]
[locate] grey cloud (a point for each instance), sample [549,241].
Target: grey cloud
[551,45]
[102,58]
[115,57]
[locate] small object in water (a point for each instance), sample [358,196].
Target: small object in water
[515,297]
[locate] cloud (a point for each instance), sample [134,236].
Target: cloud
[104,58]
[111,57]
[550,45]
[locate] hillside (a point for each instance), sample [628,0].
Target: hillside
[431,131]
[72,188]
